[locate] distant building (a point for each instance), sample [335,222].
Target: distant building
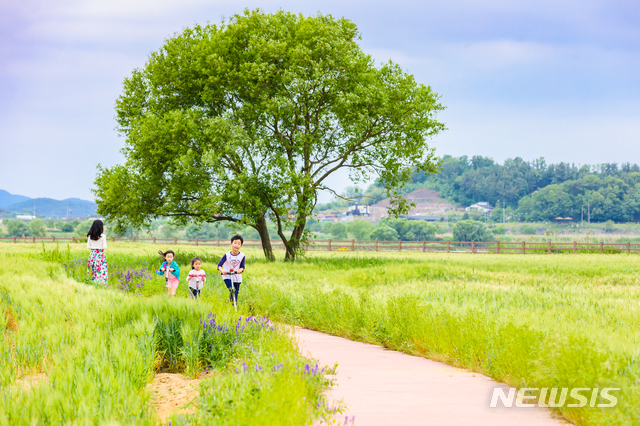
[358,210]
[25,217]
[482,207]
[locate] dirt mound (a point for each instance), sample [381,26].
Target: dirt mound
[10,321]
[173,394]
[32,380]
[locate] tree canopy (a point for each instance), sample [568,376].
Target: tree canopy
[246,121]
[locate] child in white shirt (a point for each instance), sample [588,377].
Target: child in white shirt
[196,277]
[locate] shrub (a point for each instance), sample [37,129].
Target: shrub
[499,230]
[528,230]
[384,233]
[17,228]
[470,230]
[609,226]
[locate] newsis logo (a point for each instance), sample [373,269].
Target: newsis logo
[555,397]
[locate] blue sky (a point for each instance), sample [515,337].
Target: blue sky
[553,79]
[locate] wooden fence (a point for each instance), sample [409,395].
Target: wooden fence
[495,247]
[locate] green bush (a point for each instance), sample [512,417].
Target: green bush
[384,233]
[528,230]
[609,226]
[471,230]
[17,228]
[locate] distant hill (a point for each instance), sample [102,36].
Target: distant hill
[56,208]
[6,199]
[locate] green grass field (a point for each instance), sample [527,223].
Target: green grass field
[530,321]
[98,348]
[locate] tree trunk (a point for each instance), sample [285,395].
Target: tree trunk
[263,231]
[293,245]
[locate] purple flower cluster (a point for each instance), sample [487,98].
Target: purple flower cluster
[210,324]
[129,278]
[313,371]
[331,410]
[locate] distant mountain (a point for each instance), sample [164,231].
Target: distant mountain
[55,208]
[6,199]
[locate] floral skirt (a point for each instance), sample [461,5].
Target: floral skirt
[98,267]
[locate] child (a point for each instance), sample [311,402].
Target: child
[233,262]
[171,272]
[97,243]
[196,277]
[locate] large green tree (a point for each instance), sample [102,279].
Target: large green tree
[247,120]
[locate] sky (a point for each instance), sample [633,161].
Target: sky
[555,79]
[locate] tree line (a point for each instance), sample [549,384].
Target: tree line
[534,190]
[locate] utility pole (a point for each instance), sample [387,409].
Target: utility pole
[588,213]
[582,216]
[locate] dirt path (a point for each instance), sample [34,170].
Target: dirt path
[383,387]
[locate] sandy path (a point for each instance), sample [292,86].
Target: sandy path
[383,387]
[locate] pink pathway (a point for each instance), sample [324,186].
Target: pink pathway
[383,387]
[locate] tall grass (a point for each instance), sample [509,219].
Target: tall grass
[530,321]
[100,347]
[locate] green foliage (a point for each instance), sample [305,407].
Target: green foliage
[100,348]
[66,227]
[609,226]
[338,230]
[528,230]
[384,233]
[82,228]
[248,120]
[360,229]
[499,230]
[37,228]
[17,228]
[412,230]
[465,216]
[608,197]
[471,230]
[528,321]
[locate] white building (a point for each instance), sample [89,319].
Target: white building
[482,207]
[25,217]
[358,210]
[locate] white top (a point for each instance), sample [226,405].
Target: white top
[232,261]
[196,279]
[101,244]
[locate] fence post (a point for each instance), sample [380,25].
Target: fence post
[14,240]
[424,246]
[498,247]
[329,244]
[34,239]
[548,247]
[73,239]
[399,245]
[473,247]
[154,240]
[575,247]
[133,239]
[53,239]
[376,244]
[218,241]
[175,241]
[601,247]
[628,247]
[448,246]
[523,248]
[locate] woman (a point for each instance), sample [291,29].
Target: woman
[97,243]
